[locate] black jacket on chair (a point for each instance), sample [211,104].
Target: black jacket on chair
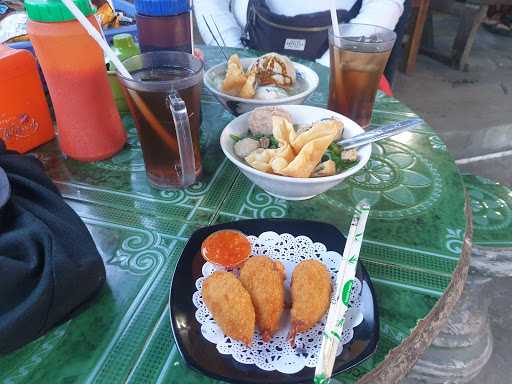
[49,264]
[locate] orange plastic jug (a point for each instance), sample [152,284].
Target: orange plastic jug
[88,124]
[25,121]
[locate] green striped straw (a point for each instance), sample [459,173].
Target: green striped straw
[336,317]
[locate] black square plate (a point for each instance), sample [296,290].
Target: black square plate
[202,355]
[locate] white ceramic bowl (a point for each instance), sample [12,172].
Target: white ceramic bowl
[291,188]
[238,105]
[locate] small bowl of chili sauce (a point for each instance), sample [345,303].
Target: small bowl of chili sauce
[227,248]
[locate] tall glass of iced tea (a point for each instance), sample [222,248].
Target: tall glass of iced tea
[358,58]
[164,99]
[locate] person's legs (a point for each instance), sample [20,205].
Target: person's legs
[397,52]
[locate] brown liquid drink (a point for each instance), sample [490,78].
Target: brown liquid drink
[358,58]
[163,161]
[164,97]
[354,83]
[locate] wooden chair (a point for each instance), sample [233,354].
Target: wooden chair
[420,13]
[471,13]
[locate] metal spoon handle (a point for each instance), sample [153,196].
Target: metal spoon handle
[379,133]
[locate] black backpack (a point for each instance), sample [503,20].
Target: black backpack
[49,265]
[303,36]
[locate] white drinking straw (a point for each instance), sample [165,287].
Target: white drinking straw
[97,37]
[334,19]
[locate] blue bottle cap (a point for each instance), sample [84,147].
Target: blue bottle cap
[162,7]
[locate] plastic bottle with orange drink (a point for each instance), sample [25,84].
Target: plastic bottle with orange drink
[88,123]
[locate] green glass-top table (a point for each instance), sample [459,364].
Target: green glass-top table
[416,249]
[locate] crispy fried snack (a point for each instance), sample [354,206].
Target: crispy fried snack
[311,293]
[309,146]
[235,78]
[298,154]
[284,133]
[260,159]
[320,129]
[230,305]
[249,89]
[264,280]
[307,159]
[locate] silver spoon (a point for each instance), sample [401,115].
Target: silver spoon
[379,133]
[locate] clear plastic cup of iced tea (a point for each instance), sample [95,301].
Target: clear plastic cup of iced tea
[358,57]
[164,98]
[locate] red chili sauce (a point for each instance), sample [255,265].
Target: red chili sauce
[227,248]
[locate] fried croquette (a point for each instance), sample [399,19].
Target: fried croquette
[311,293]
[231,305]
[264,280]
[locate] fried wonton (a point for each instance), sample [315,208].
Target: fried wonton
[297,155]
[308,157]
[235,78]
[249,89]
[260,159]
[308,146]
[266,159]
[284,133]
[282,129]
[282,156]
[330,127]
[278,164]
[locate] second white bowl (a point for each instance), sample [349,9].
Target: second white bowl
[238,105]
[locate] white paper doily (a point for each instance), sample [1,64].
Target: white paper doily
[278,354]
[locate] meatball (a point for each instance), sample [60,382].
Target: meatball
[260,120]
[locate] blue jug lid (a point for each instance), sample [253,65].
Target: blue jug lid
[162,7]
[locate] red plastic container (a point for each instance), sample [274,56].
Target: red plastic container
[25,121]
[88,123]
